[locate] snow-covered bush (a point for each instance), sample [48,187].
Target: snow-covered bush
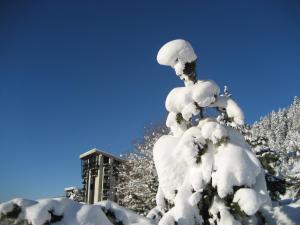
[119,215]
[63,211]
[206,170]
[74,194]
[138,181]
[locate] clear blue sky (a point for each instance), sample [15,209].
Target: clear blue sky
[75,75]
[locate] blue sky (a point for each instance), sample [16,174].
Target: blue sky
[75,75]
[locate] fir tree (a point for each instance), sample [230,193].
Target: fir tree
[207,174]
[282,130]
[269,159]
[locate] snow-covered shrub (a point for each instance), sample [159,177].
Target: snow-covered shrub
[75,194]
[206,170]
[122,216]
[63,211]
[138,181]
[15,212]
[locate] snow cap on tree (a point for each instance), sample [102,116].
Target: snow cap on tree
[174,51]
[180,55]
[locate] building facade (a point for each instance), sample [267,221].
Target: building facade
[99,171]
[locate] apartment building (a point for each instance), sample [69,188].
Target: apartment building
[99,171]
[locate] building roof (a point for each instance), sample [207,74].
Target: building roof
[99,152]
[70,188]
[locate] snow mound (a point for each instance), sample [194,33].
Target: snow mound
[286,214]
[162,153]
[63,211]
[183,99]
[127,217]
[176,52]
[234,166]
[248,200]
[232,109]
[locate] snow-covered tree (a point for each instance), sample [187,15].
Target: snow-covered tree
[276,184]
[206,170]
[74,194]
[282,130]
[138,178]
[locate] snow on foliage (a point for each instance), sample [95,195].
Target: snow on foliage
[74,194]
[174,52]
[138,182]
[63,211]
[203,93]
[279,134]
[122,215]
[180,55]
[207,173]
[59,210]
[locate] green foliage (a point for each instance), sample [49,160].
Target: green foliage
[54,218]
[236,211]
[234,207]
[11,217]
[179,118]
[14,213]
[221,141]
[269,160]
[201,151]
[206,201]
[111,216]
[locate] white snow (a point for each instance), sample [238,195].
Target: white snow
[225,217]
[212,130]
[8,206]
[231,108]
[177,129]
[127,217]
[234,166]
[248,200]
[188,100]
[176,52]
[226,161]
[201,152]
[203,93]
[155,215]
[287,214]
[170,175]
[74,213]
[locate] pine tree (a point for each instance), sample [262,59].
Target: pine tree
[138,178]
[269,159]
[207,174]
[282,130]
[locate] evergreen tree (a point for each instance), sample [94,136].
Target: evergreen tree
[207,173]
[269,159]
[282,130]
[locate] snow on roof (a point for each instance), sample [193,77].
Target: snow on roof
[99,152]
[70,188]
